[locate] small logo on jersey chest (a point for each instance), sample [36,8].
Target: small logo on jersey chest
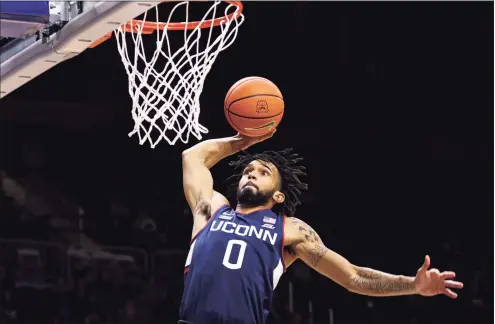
[269,220]
[270,226]
[225,217]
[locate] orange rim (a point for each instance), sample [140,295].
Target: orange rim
[147,27]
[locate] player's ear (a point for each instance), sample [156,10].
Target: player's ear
[279,197]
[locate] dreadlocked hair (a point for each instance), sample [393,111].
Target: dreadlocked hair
[287,163]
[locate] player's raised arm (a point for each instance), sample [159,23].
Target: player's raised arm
[196,162]
[309,248]
[196,176]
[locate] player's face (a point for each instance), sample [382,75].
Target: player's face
[258,184]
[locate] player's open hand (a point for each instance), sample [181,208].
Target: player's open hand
[433,282]
[247,141]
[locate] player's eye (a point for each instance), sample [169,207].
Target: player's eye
[264,173]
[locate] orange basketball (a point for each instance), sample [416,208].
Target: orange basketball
[254,106]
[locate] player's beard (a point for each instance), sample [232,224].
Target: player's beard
[248,197]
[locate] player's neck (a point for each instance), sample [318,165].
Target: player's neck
[249,209]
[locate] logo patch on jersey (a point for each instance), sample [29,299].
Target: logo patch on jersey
[268,226]
[269,220]
[225,217]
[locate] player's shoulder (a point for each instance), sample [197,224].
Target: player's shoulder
[297,223]
[297,230]
[218,201]
[206,208]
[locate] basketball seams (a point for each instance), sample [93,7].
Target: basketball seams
[253,96]
[232,122]
[247,117]
[237,86]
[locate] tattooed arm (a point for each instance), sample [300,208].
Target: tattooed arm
[308,246]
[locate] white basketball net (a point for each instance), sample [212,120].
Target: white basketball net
[165,87]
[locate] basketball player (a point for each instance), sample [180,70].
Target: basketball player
[238,254]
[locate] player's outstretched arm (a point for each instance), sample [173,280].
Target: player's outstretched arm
[365,281]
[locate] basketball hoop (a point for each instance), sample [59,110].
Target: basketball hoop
[165,95]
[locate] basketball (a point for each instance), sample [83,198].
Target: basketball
[254,106]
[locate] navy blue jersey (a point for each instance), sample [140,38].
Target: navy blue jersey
[233,266]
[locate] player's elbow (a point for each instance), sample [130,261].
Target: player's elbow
[347,277]
[350,286]
[199,151]
[344,276]
[351,279]
[186,154]
[201,154]
[195,160]
[190,157]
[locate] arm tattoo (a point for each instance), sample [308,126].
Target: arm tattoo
[317,249]
[309,233]
[366,281]
[316,253]
[377,283]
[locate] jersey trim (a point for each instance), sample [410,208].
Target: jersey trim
[254,211]
[283,243]
[212,216]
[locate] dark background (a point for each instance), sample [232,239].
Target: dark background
[391,105]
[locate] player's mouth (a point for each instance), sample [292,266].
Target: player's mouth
[249,183]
